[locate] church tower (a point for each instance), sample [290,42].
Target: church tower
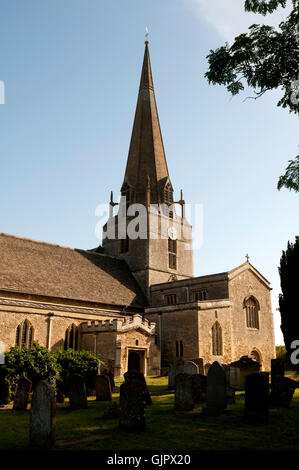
[160,247]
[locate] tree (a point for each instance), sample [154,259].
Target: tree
[265,59]
[288,300]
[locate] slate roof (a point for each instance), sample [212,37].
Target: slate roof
[33,267]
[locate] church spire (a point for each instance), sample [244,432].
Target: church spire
[146,159]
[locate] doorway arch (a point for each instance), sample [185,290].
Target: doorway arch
[136,361]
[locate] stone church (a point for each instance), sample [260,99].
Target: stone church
[134,302]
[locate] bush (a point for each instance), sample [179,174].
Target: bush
[36,363]
[77,362]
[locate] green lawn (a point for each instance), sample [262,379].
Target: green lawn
[166,429]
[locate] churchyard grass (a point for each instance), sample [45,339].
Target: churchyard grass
[165,428]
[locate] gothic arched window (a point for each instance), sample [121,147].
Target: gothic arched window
[252,312]
[71,338]
[24,334]
[216,339]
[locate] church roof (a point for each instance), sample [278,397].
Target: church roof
[38,268]
[146,154]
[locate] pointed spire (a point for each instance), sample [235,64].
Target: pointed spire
[146,154]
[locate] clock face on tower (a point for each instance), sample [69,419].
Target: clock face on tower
[172,233]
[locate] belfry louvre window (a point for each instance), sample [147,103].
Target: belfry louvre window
[216,339]
[168,195]
[71,338]
[200,295]
[24,334]
[170,299]
[172,253]
[252,315]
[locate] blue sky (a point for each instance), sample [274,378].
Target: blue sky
[71,70]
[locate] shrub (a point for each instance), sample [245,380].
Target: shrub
[36,363]
[77,362]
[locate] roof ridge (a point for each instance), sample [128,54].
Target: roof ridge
[40,242]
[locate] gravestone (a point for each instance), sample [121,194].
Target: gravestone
[257,397]
[234,377]
[77,392]
[111,411]
[230,390]
[5,388]
[184,400]
[22,395]
[132,406]
[277,370]
[199,385]
[190,368]
[103,388]
[199,363]
[282,392]
[110,376]
[176,368]
[43,416]
[136,375]
[216,389]
[246,366]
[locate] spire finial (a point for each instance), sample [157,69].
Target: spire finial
[247,257]
[146,35]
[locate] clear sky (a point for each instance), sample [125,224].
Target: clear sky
[71,70]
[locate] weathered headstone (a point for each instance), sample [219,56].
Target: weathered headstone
[132,406]
[216,389]
[282,392]
[111,410]
[5,388]
[277,370]
[199,385]
[184,400]
[110,376]
[246,366]
[200,365]
[257,397]
[43,416]
[176,368]
[22,395]
[234,377]
[190,368]
[103,388]
[77,392]
[136,375]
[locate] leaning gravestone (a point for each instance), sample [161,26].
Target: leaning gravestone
[22,395]
[216,389]
[77,392]
[43,416]
[176,368]
[103,388]
[136,375]
[282,392]
[199,385]
[132,406]
[277,370]
[184,400]
[190,368]
[257,397]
